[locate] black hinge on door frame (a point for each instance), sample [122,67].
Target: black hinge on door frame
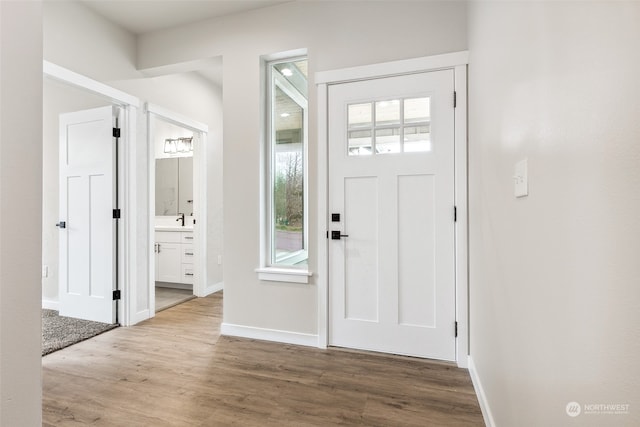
[456,329]
[455,214]
[116,215]
[455,102]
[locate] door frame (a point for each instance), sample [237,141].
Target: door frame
[458,62]
[127,181]
[200,288]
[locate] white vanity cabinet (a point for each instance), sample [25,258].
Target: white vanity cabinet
[174,256]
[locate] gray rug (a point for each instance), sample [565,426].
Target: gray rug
[59,332]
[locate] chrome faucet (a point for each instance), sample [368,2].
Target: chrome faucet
[181,218]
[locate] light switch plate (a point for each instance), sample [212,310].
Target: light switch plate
[521,179]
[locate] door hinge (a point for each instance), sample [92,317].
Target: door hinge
[456,329]
[116,132]
[455,101]
[327,234]
[116,294]
[116,214]
[455,214]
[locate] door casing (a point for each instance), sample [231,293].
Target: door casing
[458,62]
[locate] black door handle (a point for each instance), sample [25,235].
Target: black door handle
[335,235]
[61,224]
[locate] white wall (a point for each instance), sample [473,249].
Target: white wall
[82,41]
[20,212]
[78,39]
[554,277]
[336,34]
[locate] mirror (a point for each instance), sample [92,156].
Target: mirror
[174,186]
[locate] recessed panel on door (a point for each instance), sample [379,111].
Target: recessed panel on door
[77,238]
[81,149]
[100,261]
[416,250]
[361,260]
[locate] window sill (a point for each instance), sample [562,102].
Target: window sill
[291,275]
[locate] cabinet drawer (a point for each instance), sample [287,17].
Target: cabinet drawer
[187,273]
[168,237]
[187,254]
[187,237]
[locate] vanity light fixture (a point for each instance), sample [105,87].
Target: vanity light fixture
[179,145]
[170,145]
[186,144]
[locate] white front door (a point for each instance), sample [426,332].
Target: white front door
[391,181]
[87,200]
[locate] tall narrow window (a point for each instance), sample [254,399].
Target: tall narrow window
[287,168]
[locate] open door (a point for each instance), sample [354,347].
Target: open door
[88,228]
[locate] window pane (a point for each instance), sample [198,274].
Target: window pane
[388,140]
[360,142]
[359,116]
[417,138]
[417,110]
[360,135]
[288,173]
[387,112]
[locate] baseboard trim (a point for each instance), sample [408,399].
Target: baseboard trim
[482,398]
[51,304]
[212,289]
[269,335]
[140,316]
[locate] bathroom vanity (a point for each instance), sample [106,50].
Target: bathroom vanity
[174,255]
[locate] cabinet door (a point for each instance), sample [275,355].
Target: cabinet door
[169,265]
[157,269]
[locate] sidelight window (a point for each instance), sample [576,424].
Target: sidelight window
[286,205]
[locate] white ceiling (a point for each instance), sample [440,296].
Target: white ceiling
[142,16]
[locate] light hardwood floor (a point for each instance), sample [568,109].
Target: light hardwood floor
[168,297]
[175,370]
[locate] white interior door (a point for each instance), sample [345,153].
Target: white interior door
[87,200]
[391,180]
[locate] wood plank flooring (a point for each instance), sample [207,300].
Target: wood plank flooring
[175,370]
[168,297]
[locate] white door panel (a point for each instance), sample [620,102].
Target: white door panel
[87,199]
[391,160]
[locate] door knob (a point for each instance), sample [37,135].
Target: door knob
[335,235]
[61,224]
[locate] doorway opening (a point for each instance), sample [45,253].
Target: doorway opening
[86,135]
[177,200]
